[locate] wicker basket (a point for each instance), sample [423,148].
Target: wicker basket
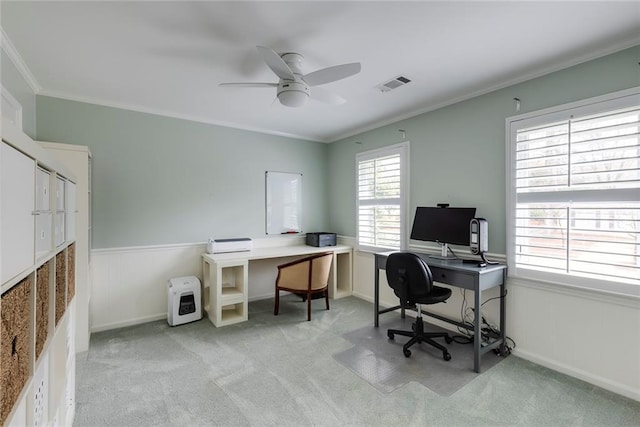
[61,285]
[42,307]
[14,351]
[71,272]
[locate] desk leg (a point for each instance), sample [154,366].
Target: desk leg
[477,330]
[503,317]
[376,295]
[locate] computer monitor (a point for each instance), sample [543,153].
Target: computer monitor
[443,225]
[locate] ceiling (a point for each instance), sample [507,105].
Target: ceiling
[169,57]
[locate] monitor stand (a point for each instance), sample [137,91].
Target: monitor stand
[444,253]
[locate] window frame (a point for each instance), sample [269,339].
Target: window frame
[401,149]
[609,102]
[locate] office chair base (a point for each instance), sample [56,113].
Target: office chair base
[418,335]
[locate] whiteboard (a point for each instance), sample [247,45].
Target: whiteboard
[283,202]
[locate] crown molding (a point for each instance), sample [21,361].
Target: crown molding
[165,113]
[511,82]
[21,66]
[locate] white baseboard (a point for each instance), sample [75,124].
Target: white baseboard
[261,297]
[605,383]
[362,296]
[129,322]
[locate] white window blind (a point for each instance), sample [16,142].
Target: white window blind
[575,185]
[380,189]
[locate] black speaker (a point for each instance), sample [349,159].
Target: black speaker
[479,236]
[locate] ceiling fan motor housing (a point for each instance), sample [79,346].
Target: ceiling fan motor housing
[293,94]
[293,86]
[294,61]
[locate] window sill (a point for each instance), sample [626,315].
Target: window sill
[627,299]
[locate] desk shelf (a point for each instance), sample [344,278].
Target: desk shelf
[342,275]
[231,295]
[225,291]
[232,313]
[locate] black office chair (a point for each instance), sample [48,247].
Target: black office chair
[410,278]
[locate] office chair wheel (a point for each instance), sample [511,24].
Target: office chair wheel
[407,353]
[446,356]
[448,339]
[390,335]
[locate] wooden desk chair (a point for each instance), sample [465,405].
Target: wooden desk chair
[306,276]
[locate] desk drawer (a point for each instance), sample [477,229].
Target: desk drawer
[455,278]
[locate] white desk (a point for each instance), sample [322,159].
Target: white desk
[226,278]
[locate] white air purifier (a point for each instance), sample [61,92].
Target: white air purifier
[185,300]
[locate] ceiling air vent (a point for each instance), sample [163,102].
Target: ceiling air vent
[394,83]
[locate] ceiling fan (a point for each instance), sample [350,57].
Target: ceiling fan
[294,88]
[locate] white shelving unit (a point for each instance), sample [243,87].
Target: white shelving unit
[77,159]
[37,284]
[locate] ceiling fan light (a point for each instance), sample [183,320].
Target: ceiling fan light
[293,98]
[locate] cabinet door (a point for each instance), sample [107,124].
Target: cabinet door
[44,224]
[17,181]
[43,182]
[59,235]
[70,193]
[43,234]
[60,199]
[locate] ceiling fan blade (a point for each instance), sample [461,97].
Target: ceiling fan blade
[331,74]
[323,95]
[276,63]
[250,84]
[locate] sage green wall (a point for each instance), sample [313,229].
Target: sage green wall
[16,85]
[457,153]
[159,180]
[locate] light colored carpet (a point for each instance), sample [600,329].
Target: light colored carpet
[281,371]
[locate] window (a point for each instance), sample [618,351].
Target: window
[381,187]
[574,194]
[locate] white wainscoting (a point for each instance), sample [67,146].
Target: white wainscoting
[589,335]
[129,285]
[585,334]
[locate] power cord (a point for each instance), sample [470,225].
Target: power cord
[483,256]
[488,332]
[486,261]
[451,250]
[466,316]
